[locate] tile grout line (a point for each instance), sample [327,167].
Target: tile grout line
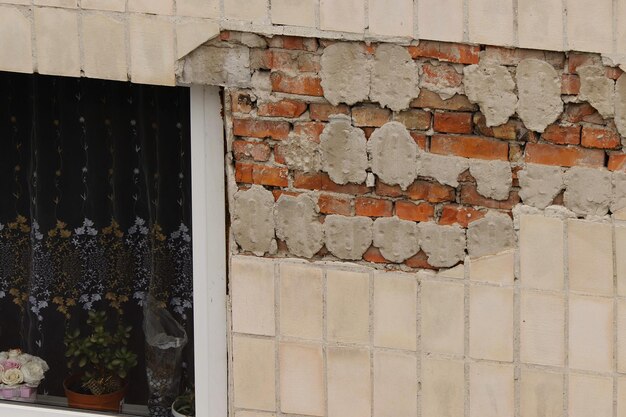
[517,331]
[325,335]
[615,315]
[277,280]
[371,339]
[418,344]
[466,336]
[566,318]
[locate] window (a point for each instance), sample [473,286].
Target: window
[79,135]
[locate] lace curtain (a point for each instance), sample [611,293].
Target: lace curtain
[95,209]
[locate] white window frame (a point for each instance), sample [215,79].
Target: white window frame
[209,266]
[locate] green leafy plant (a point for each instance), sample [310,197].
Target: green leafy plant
[101,356]
[186,404]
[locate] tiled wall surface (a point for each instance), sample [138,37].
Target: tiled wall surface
[533,332]
[142,39]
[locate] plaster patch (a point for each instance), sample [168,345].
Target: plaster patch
[492,87]
[444,169]
[493,178]
[298,225]
[345,73]
[540,184]
[348,237]
[490,235]
[210,65]
[343,151]
[620,107]
[253,220]
[597,89]
[301,153]
[618,201]
[539,89]
[395,77]
[588,191]
[397,239]
[444,245]
[393,155]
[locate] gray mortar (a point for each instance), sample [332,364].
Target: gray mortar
[540,184]
[302,154]
[343,151]
[395,77]
[493,89]
[444,245]
[620,107]
[348,237]
[393,155]
[210,65]
[298,225]
[588,191]
[539,89]
[490,235]
[397,239]
[345,73]
[597,89]
[493,178]
[253,220]
[444,169]
[444,91]
[618,201]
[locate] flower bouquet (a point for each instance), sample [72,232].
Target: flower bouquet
[20,375]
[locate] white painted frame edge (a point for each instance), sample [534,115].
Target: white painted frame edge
[209,265]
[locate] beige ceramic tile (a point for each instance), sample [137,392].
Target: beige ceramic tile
[491,22]
[57,50]
[294,12]
[395,315]
[591,333]
[254,367]
[497,269]
[590,253]
[443,388]
[252,295]
[108,5]
[587,25]
[301,379]
[540,24]
[198,8]
[541,394]
[301,301]
[391,21]
[621,396]
[152,50]
[491,323]
[491,390]
[104,46]
[590,395]
[160,7]
[440,20]
[620,259]
[395,384]
[541,252]
[443,317]
[342,16]
[15,30]
[255,11]
[349,383]
[621,336]
[542,328]
[347,306]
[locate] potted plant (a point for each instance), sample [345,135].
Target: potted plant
[100,361]
[20,375]
[185,405]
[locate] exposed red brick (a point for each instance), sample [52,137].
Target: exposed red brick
[516,153]
[613,72]
[617,162]
[507,131]
[258,151]
[308,181]
[330,204]
[570,84]
[278,193]
[268,175]
[408,210]
[579,59]
[373,207]
[444,51]
[419,260]
[282,108]
[430,191]
[309,62]
[286,61]
[373,255]
[279,154]
[420,139]
[577,112]
[453,122]
[462,215]
[224,35]
[562,135]
[443,75]
[307,85]
[470,147]
[261,128]
[370,116]
[309,130]
[385,190]
[241,102]
[566,156]
[430,100]
[293,42]
[600,138]
[261,59]
[414,119]
[471,197]
[243,172]
[513,56]
[368,131]
[329,185]
[322,111]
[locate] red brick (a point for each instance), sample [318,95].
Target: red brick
[419,260]
[513,56]
[286,61]
[408,210]
[420,139]
[268,175]
[243,172]
[566,156]
[308,181]
[471,197]
[282,108]
[307,85]
[329,185]
[414,119]
[508,131]
[613,72]
[278,193]
[444,51]
[309,62]
[442,75]
[261,59]
[578,59]
[279,154]
[329,204]
[430,191]
[241,102]
[258,151]
[470,147]
[453,122]
[577,112]
[600,138]
[368,131]
[562,135]
[373,255]
[453,213]
[617,162]
[293,42]
[322,111]
[370,116]
[385,190]
[261,129]
[373,207]
[428,99]
[309,130]
[570,84]
[224,35]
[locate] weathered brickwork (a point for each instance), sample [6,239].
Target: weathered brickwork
[465,134]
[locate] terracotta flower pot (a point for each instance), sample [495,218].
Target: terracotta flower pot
[106,402]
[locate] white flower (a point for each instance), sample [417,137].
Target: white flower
[32,373]
[4,356]
[12,377]
[24,357]
[14,353]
